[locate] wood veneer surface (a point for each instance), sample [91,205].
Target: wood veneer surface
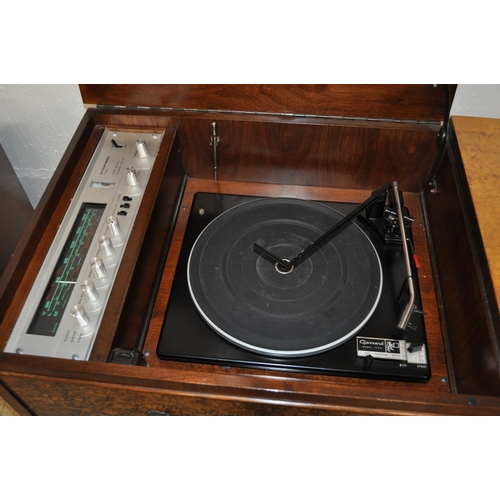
[345,153]
[396,102]
[479,143]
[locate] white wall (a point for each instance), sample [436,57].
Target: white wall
[477,100]
[38,121]
[36,125]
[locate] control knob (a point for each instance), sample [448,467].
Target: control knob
[131,177]
[114,225]
[98,268]
[91,296]
[106,246]
[80,316]
[142,148]
[89,291]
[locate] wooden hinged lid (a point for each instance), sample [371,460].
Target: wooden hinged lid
[422,103]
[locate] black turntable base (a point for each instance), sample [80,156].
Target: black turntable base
[334,312]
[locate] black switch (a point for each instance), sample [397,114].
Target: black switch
[415,348]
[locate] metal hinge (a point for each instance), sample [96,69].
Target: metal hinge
[214,142]
[269,114]
[441,140]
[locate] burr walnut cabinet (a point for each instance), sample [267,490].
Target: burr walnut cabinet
[316,142]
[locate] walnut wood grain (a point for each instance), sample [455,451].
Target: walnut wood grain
[469,313]
[342,156]
[395,102]
[103,389]
[16,405]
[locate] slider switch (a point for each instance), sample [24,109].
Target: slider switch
[415,348]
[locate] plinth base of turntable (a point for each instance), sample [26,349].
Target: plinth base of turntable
[439,381]
[187,335]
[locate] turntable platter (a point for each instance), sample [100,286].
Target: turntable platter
[248,300]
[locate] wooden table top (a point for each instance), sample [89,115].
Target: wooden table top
[479,143]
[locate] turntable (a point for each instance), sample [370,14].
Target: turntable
[333,306]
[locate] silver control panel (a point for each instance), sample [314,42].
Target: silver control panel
[64,308]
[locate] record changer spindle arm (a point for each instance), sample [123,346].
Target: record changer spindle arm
[286,266]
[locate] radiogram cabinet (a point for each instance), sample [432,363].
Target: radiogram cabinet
[314,142]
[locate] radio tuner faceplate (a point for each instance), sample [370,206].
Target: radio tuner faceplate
[64,308]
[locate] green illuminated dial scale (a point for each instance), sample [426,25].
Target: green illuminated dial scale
[65,275]
[62,314]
